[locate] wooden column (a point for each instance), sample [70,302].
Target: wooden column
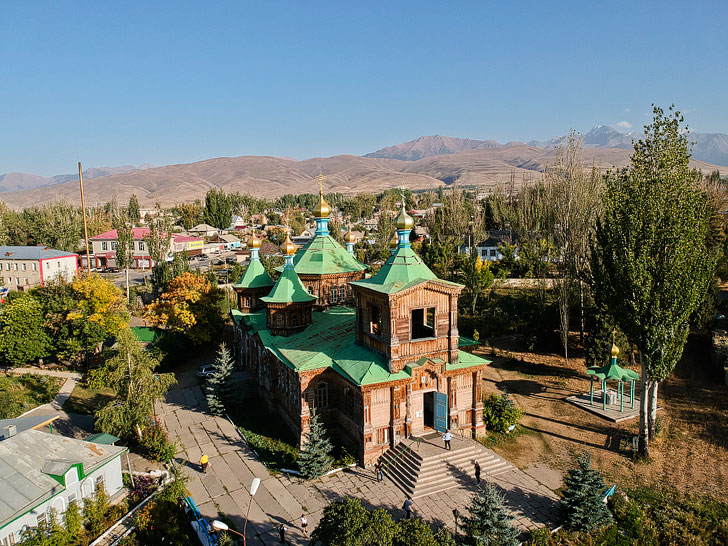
[477,418]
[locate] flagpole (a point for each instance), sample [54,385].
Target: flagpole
[85,227]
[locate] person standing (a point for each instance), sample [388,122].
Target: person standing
[282,532]
[304,525]
[477,472]
[447,437]
[407,507]
[204,463]
[379,469]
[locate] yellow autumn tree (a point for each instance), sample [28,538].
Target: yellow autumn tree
[190,305]
[100,310]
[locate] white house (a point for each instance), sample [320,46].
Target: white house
[489,249]
[41,471]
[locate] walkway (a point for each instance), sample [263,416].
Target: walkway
[282,499]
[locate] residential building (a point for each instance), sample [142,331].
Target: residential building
[204,230]
[41,471]
[229,242]
[103,248]
[379,361]
[489,249]
[23,267]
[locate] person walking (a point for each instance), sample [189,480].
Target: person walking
[282,532]
[447,437]
[407,507]
[379,469]
[304,525]
[477,472]
[204,463]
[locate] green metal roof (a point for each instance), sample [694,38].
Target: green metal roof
[254,276]
[322,255]
[288,289]
[613,371]
[402,270]
[329,342]
[101,438]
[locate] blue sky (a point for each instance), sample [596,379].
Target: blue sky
[174,82]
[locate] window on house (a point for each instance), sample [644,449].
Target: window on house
[58,265]
[310,290]
[383,435]
[375,320]
[26,280]
[35,266]
[104,245]
[322,395]
[100,483]
[367,414]
[247,301]
[15,267]
[7,267]
[334,294]
[342,293]
[492,252]
[40,519]
[423,323]
[141,245]
[24,267]
[72,498]
[113,245]
[17,280]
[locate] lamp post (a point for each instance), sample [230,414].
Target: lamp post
[220,526]
[456,514]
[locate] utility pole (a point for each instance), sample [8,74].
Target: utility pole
[85,227]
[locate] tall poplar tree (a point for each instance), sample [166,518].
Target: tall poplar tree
[652,262]
[124,247]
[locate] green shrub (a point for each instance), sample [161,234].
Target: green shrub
[500,413]
[156,445]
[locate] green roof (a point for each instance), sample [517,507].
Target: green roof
[288,289]
[613,371]
[322,255]
[101,438]
[329,342]
[402,270]
[254,276]
[145,334]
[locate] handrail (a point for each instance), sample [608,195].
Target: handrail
[416,439]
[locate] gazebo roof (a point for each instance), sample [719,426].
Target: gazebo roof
[612,371]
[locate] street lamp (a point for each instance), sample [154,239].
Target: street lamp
[220,526]
[456,514]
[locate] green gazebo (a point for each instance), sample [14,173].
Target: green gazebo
[613,372]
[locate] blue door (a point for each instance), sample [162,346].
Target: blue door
[440,412]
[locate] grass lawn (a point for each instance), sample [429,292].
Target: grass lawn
[145,334]
[86,401]
[19,394]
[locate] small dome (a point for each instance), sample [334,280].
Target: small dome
[288,248]
[254,242]
[404,220]
[350,237]
[615,350]
[394,241]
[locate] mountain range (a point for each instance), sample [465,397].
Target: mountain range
[424,163]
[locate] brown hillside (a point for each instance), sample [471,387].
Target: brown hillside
[271,176]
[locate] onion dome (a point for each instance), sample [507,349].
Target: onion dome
[322,208]
[404,220]
[254,242]
[349,237]
[394,241]
[615,350]
[288,248]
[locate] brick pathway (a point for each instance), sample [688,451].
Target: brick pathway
[282,499]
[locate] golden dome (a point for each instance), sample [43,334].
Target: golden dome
[349,237]
[404,220]
[322,209]
[615,350]
[254,242]
[288,248]
[394,241]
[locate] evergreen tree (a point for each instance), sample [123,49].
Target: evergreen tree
[73,522]
[133,211]
[315,458]
[218,209]
[582,506]
[489,524]
[218,389]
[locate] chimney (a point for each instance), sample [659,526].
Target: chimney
[9,431]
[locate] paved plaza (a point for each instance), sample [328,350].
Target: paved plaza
[283,499]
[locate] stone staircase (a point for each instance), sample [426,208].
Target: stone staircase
[426,468]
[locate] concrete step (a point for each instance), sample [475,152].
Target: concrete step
[424,472]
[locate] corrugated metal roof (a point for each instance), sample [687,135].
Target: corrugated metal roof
[26,457]
[31,253]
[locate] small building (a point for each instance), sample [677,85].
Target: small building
[204,230]
[41,471]
[23,267]
[186,243]
[229,242]
[489,249]
[237,224]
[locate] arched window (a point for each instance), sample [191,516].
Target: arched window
[322,395]
[334,294]
[87,488]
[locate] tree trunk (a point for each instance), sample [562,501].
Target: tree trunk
[652,417]
[127,284]
[643,448]
[581,312]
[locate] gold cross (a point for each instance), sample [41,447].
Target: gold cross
[321,179]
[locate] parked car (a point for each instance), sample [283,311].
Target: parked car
[111,270]
[231,259]
[205,371]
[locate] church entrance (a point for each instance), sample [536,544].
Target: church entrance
[428,400]
[434,406]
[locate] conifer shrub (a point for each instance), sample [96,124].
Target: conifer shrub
[315,458]
[583,507]
[489,523]
[218,388]
[500,413]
